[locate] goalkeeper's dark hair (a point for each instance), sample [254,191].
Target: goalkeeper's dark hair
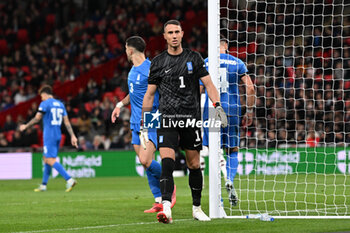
[45,89]
[136,42]
[173,22]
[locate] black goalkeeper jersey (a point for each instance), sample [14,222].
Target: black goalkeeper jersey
[177,78]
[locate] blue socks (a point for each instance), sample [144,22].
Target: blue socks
[153,175]
[46,174]
[232,165]
[61,170]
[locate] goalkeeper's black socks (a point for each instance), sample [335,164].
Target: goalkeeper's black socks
[166,179]
[196,183]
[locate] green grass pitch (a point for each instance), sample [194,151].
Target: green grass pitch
[117,204]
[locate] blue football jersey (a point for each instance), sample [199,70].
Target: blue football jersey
[138,83]
[53,112]
[231,69]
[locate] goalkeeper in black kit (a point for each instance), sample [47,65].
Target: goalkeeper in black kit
[176,73]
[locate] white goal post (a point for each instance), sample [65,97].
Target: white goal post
[215,210]
[294,162]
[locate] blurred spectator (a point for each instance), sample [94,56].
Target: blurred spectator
[271,139]
[9,124]
[106,141]
[83,124]
[312,139]
[83,144]
[97,143]
[3,141]
[20,96]
[17,140]
[123,138]
[30,137]
[98,126]
[7,103]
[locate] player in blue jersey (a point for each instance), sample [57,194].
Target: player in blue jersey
[138,82]
[232,71]
[52,112]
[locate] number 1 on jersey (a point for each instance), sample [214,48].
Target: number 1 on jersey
[197,134]
[182,82]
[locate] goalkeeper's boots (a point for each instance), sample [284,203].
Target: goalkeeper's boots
[198,214]
[70,184]
[165,215]
[41,188]
[157,207]
[232,195]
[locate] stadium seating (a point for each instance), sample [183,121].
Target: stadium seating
[50,23]
[22,36]
[4,50]
[104,33]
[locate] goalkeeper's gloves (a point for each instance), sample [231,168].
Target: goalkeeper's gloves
[220,114]
[143,136]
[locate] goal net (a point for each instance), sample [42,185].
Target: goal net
[294,160]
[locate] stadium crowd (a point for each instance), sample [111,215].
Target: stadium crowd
[299,61]
[301,69]
[69,48]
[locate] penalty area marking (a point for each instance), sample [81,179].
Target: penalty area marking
[99,227]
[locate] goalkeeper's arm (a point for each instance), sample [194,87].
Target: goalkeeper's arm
[215,98]
[148,98]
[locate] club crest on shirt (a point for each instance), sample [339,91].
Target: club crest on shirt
[189,67]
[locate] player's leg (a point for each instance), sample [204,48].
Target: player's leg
[232,163]
[195,176]
[196,183]
[50,154]
[205,150]
[152,170]
[232,143]
[46,176]
[155,169]
[191,141]
[166,183]
[167,142]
